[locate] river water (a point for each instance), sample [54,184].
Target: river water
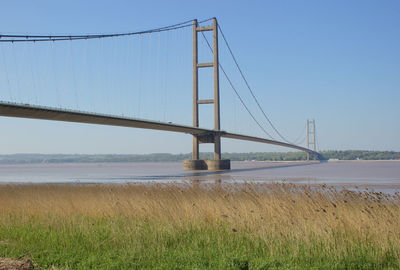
[376,175]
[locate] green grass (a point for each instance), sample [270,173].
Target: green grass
[82,242]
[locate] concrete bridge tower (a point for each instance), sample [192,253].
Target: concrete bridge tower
[215,137]
[311,141]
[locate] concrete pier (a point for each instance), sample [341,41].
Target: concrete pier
[208,164]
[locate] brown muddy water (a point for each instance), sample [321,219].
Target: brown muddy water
[376,175]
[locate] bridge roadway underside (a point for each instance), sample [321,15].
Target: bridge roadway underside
[47,113]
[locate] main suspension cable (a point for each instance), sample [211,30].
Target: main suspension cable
[38,38]
[302,141]
[301,135]
[248,87]
[234,89]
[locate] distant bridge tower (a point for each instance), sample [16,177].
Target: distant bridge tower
[217,163]
[311,142]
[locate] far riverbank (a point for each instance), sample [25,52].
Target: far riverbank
[165,157]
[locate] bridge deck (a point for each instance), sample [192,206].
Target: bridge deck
[47,113]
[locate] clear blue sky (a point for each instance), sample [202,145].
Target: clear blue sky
[335,61]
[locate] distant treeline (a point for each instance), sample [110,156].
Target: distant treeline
[162,157]
[360,154]
[326,155]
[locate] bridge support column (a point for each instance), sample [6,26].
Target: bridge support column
[195,152]
[206,164]
[195,163]
[311,141]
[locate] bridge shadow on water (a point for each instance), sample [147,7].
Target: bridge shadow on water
[233,174]
[261,168]
[226,175]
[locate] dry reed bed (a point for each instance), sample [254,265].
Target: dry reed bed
[293,211]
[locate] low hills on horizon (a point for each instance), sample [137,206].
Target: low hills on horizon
[165,157]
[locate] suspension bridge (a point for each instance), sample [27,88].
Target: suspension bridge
[28,109]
